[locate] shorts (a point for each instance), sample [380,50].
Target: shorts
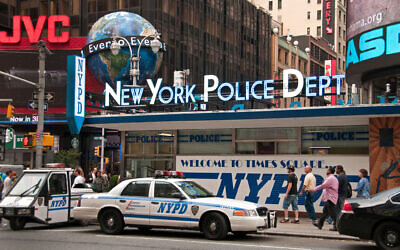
[291,200]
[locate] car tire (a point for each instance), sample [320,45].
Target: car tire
[17,223]
[214,226]
[111,221]
[387,235]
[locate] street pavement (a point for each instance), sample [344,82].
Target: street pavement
[90,237]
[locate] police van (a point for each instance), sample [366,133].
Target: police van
[44,196]
[168,202]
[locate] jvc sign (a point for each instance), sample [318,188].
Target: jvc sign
[263,179]
[76,93]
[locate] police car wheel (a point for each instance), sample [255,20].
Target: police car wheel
[111,221]
[215,226]
[17,223]
[387,235]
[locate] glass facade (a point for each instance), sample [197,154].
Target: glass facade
[147,151]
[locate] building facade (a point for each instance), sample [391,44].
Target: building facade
[318,18]
[229,39]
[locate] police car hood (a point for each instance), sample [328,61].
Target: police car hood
[16,201]
[228,203]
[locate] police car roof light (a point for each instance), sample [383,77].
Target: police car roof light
[177,174]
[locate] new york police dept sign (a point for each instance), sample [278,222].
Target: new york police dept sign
[76,93]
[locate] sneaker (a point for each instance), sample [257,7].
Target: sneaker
[295,221]
[317,225]
[284,220]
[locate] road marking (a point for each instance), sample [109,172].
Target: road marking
[204,242]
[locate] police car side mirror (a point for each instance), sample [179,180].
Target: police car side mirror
[178,195]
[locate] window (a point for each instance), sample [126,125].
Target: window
[308,1]
[344,50]
[340,15]
[205,141]
[344,64]
[318,14]
[265,148]
[279,55]
[58,184]
[137,188]
[286,57]
[308,31]
[279,4]
[344,34]
[164,189]
[340,48]
[308,15]
[395,198]
[270,5]
[339,64]
[340,32]
[318,30]
[318,1]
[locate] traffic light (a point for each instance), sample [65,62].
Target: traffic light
[97,151]
[106,160]
[28,140]
[10,111]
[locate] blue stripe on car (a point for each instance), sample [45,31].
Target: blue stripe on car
[160,217]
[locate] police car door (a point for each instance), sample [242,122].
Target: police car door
[134,203]
[166,209]
[58,205]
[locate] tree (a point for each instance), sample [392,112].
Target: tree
[69,157]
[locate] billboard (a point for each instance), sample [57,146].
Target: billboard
[328,22]
[363,15]
[262,179]
[373,29]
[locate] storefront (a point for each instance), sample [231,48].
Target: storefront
[244,154]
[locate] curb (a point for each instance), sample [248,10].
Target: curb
[328,237]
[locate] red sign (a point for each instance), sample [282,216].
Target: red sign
[35,32]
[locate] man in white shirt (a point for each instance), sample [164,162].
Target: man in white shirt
[79,179]
[7,183]
[309,184]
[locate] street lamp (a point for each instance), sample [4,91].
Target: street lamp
[134,71]
[296,46]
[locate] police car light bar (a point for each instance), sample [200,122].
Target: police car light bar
[166,174]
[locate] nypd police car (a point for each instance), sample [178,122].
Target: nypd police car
[166,202]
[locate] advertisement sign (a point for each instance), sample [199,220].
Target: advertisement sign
[263,179]
[328,22]
[76,93]
[364,15]
[373,29]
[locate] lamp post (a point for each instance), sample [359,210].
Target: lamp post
[289,39]
[275,30]
[134,71]
[296,46]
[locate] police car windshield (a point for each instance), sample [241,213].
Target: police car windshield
[193,190]
[27,182]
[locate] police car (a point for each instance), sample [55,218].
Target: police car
[43,196]
[167,202]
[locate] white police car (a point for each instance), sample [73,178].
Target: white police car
[167,202]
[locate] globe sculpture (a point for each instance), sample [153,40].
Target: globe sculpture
[109,68]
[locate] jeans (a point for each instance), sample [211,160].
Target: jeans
[329,210]
[309,204]
[291,200]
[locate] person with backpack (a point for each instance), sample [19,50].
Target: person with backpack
[343,191]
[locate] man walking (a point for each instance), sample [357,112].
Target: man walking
[329,196]
[343,190]
[309,184]
[291,197]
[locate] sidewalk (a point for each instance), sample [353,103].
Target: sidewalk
[306,229]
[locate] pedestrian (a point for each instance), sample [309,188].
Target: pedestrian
[309,183]
[99,182]
[329,196]
[291,197]
[7,183]
[363,185]
[14,177]
[343,190]
[92,175]
[79,179]
[2,175]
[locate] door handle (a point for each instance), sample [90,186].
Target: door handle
[155,202]
[122,201]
